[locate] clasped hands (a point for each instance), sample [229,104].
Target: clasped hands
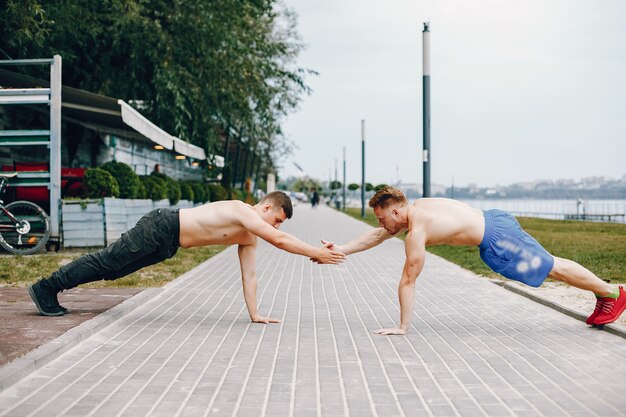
[329,254]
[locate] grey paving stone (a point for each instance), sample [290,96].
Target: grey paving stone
[474,348]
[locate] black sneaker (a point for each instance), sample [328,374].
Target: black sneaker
[46,300]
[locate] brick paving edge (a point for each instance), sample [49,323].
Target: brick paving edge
[19,368]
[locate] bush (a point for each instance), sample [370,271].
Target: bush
[200,194]
[126,178]
[217,192]
[100,183]
[186,192]
[155,189]
[141,191]
[171,186]
[237,194]
[249,198]
[173,191]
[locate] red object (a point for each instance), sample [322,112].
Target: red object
[36,194]
[596,311]
[612,308]
[71,182]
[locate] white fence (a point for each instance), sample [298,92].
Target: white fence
[98,223]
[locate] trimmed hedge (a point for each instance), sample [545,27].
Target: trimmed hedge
[100,183]
[171,186]
[126,178]
[200,194]
[116,179]
[186,192]
[155,190]
[217,192]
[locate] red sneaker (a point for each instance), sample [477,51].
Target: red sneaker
[612,308]
[596,311]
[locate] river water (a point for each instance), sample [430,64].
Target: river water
[595,210]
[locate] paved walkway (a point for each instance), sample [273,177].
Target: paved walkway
[474,348]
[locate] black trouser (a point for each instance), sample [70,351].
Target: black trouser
[153,239]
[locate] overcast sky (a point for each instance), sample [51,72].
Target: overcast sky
[520,90]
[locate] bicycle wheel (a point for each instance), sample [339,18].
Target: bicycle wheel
[31,232]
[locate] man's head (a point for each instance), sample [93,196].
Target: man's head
[388,204]
[275,207]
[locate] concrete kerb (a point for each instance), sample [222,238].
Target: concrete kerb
[610,328]
[35,359]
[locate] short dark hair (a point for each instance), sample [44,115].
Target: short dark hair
[279,199]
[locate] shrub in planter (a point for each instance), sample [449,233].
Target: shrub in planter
[249,198]
[155,189]
[141,191]
[126,178]
[217,192]
[171,186]
[186,192]
[237,194]
[100,183]
[173,191]
[200,194]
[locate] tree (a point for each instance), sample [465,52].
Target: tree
[353,186]
[335,185]
[379,187]
[195,67]
[305,185]
[368,187]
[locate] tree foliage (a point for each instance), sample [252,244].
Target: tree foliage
[195,67]
[305,185]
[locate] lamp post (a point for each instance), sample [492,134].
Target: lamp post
[344,179]
[426,109]
[362,168]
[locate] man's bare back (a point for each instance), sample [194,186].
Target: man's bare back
[444,221]
[217,223]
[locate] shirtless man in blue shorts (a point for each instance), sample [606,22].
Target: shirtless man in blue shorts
[504,247]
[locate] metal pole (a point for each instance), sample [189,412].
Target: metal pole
[344,178]
[362,168]
[55,144]
[426,109]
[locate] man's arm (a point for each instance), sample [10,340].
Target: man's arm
[415,248]
[254,224]
[248,279]
[367,240]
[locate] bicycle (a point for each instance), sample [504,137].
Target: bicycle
[24,226]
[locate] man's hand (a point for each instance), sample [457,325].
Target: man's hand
[333,249]
[328,256]
[266,320]
[330,245]
[391,331]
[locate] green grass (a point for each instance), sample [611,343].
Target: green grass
[600,247]
[21,271]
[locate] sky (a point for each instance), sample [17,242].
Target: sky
[520,90]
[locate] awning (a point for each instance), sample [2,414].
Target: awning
[144,126]
[183,148]
[105,114]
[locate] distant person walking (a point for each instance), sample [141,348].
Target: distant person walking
[504,247]
[315,198]
[158,235]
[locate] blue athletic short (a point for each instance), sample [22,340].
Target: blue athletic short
[512,252]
